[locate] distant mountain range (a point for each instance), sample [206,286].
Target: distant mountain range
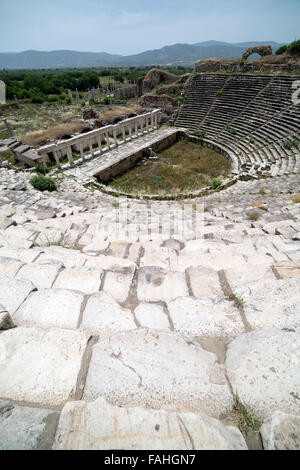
[177,54]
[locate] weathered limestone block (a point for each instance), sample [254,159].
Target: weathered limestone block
[101,426]
[204,281]
[281,432]
[23,428]
[13,292]
[24,255]
[109,263]
[69,258]
[42,275]
[50,308]
[273,226]
[86,280]
[103,316]
[158,370]
[40,366]
[209,317]
[152,316]
[272,303]
[117,283]
[263,368]
[155,285]
[288,269]
[9,267]
[6,322]
[249,274]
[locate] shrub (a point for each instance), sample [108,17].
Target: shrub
[219,92]
[43,183]
[53,98]
[281,50]
[106,100]
[254,216]
[40,169]
[294,48]
[216,183]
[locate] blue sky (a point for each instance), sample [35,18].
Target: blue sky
[132,26]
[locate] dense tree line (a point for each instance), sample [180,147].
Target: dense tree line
[53,85]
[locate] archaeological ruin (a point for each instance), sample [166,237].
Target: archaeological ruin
[157,320]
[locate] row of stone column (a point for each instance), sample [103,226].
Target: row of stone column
[93,141]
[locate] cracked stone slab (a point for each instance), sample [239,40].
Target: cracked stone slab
[14,240]
[204,281]
[249,274]
[24,428]
[109,263]
[50,308]
[9,267]
[273,226]
[288,269]
[40,366]
[281,432]
[117,283]
[156,256]
[103,316]
[272,303]
[42,275]
[156,284]
[209,317]
[263,369]
[86,280]
[152,316]
[24,255]
[216,259]
[13,292]
[101,426]
[67,257]
[157,370]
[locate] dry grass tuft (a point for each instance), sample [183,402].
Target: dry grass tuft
[37,138]
[182,166]
[296,198]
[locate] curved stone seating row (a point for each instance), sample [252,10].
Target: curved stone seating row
[252,117]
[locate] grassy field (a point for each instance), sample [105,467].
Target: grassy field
[183,166]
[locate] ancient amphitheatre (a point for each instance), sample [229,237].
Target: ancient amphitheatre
[164,319]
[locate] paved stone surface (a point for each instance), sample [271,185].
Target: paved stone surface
[158,370]
[288,269]
[40,366]
[9,267]
[51,308]
[152,316]
[281,432]
[211,317]
[272,303]
[117,283]
[100,426]
[103,316]
[86,280]
[155,285]
[249,274]
[204,281]
[41,275]
[23,428]
[263,369]
[13,292]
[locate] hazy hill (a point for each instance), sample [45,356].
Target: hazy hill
[184,54]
